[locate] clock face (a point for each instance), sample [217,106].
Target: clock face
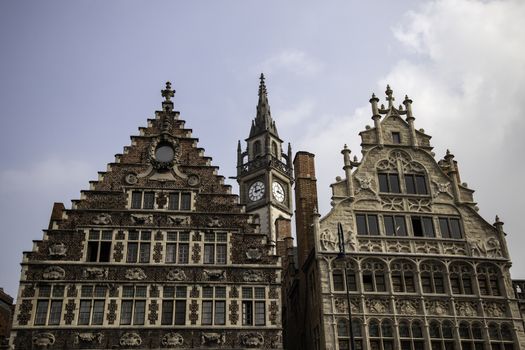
[278,191]
[256,191]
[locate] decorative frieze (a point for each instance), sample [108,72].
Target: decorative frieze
[212,338]
[252,339]
[54,273]
[135,273]
[172,339]
[43,340]
[176,275]
[88,338]
[130,339]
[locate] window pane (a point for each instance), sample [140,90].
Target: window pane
[421,184]
[220,312]
[368,282]
[404,330]
[455,228]
[351,281]
[144,252]
[428,227]
[247,313]
[209,253]
[220,292]
[383,182]
[55,312]
[184,236]
[207,312]
[58,291]
[373,226]
[401,229]
[467,284]
[174,201]
[105,250]
[92,251]
[141,291]
[390,228]
[183,253]
[426,282]
[394,183]
[207,292]
[149,199]
[185,203]
[167,312]
[128,292]
[145,235]
[259,313]
[454,284]
[417,331]
[380,282]
[438,282]
[338,281]
[181,292]
[168,292]
[180,312]
[140,311]
[84,312]
[100,291]
[396,281]
[98,312]
[107,235]
[136,200]
[133,235]
[373,329]
[361,224]
[172,236]
[221,254]
[417,228]
[443,227]
[410,285]
[44,291]
[132,253]
[410,185]
[171,253]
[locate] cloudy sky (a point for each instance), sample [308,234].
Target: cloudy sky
[77,78]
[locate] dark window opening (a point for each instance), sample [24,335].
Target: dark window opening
[396,137]
[389,183]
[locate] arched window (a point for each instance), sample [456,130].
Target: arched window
[374,276]
[256,148]
[501,336]
[471,336]
[441,335]
[343,334]
[432,278]
[488,280]
[411,335]
[461,279]
[403,277]
[381,337]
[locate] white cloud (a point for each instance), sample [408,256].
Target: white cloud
[466,76]
[294,61]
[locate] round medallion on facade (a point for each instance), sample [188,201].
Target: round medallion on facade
[131,179]
[164,153]
[256,191]
[193,180]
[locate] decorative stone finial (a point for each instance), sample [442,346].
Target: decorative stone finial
[262,86]
[373,101]
[389,96]
[168,93]
[497,218]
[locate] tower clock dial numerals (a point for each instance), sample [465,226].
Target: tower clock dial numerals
[278,191]
[256,191]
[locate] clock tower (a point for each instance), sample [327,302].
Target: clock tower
[265,174]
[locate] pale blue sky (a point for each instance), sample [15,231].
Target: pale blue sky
[77,78]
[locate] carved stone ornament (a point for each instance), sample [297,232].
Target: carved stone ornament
[213,338]
[365,183]
[131,179]
[214,222]
[407,307]
[142,219]
[254,254]
[176,275]
[489,248]
[58,249]
[377,306]
[392,203]
[164,164]
[102,219]
[135,273]
[95,273]
[252,276]
[54,273]
[252,339]
[442,188]
[328,241]
[495,309]
[214,275]
[130,339]
[466,308]
[179,220]
[172,339]
[43,340]
[88,338]
[193,180]
[437,307]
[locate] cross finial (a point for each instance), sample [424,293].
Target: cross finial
[168,93]
[262,85]
[389,96]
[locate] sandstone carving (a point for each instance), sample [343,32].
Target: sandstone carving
[328,241]
[490,248]
[142,219]
[95,273]
[43,340]
[437,307]
[179,220]
[88,337]
[54,273]
[135,273]
[252,276]
[213,338]
[172,339]
[253,254]
[252,339]
[58,249]
[130,339]
[102,219]
[214,275]
[176,275]
[214,222]
[466,309]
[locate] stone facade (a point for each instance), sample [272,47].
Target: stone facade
[6,313]
[424,269]
[156,254]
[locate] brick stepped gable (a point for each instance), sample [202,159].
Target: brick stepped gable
[61,258]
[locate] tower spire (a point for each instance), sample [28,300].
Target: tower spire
[263,121]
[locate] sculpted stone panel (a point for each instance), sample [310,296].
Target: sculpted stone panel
[54,273]
[408,307]
[494,309]
[88,338]
[172,340]
[467,308]
[130,339]
[43,340]
[252,276]
[57,250]
[437,307]
[95,273]
[252,339]
[483,247]
[377,306]
[212,338]
[176,275]
[135,273]
[341,305]
[214,275]
[102,219]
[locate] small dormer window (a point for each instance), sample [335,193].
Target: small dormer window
[396,138]
[256,148]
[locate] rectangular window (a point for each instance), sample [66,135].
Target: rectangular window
[253,306]
[84,313]
[395,225]
[136,200]
[209,253]
[416,184]
[180,312]
[41,312]
[426,282]
[171,254]
[98,312]
[132,252]
[185,201]
[99,248]
[149,200]
[247,313]
[260,313]
[184,250]
[55,312]
[140,312]
[167,312]
[396,138]
[450,228]
[207,312]
[338,281]
[422,226]
[367,224]
[352,285]
[221,253]
[220,312]
[174,201]
[389,183]
[144,252]
[126,312]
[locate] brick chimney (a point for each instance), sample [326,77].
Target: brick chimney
[305,203]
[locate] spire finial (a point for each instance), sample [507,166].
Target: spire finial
[389,96]
[262,85]
[168,93]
